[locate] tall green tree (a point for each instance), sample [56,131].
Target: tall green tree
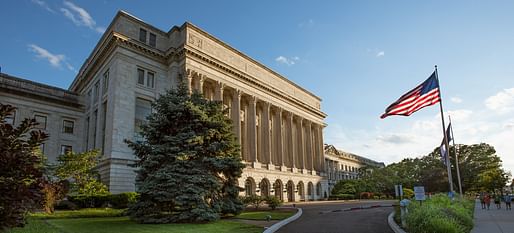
[188,163]
[80,170]
[21,169]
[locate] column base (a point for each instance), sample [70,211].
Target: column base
[256,165]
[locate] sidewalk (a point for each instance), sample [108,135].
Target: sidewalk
[493,220]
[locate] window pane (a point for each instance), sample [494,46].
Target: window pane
[143,109]
[10,119]
[106,82]
[67,126]
[65,149]
[41,120]
[153,39]
[150,80]
[141,76]
[142,35]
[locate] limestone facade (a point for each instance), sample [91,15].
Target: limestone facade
[278,124]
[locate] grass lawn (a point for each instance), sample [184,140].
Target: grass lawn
[123,224]
[104,220]
[261,215]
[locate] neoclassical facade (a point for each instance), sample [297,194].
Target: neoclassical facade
[278,124]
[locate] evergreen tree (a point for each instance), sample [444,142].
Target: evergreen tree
[188,163]
[21,169]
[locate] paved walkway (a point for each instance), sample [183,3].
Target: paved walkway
[493,220]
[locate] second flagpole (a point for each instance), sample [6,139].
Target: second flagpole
[450,180]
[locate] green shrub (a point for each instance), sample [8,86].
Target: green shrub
[252,200]
[440,214]
[117,201]
[408,193]
[123,200]
[273,202]
[82,213]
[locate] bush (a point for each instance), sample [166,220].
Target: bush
[366,195]
[408,193]
[123,200]
[344,196]
[117,201]
[440,214]
[253,200]
[66,205]
[273,202]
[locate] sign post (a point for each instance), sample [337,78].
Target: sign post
[419,193]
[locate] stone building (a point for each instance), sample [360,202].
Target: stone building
[341,165]
[278,123]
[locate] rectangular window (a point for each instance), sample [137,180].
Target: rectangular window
[65,149]
[10,119]
[153,39]
[104,122]
[142,35]
[87,133]
[105,86]
[67,126]
[145,78]
[41,120]
[95,117]
[141,76]
[97,90]
[149,79]
[143,109]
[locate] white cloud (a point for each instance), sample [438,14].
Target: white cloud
[395,138]
[306,24]
[55,60]
[80,17]
[287,61]
[380,54]
[502,102]
[44,5]
[456,100]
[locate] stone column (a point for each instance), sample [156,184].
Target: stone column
[218,92]
[279,150]
[321,149]
[301,144]
[265,136]
[201,79]
[290,141]
[309,154]
[252,129]
[190,82]
[236,116]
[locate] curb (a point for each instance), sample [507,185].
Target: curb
[393,225]
[284,222]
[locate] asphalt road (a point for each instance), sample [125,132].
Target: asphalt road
[329,217]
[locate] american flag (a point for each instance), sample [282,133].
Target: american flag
[426,94]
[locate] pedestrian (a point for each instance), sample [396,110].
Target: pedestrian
[497,201]
[487,200]
[482,201]
[507,199]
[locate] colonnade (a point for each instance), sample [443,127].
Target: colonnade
[270,136]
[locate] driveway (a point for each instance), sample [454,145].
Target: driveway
[331,217]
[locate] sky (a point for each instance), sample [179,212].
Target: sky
[358,56]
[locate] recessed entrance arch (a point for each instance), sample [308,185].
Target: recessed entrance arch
[278,187]
[265,187]
[249,186]
[301,190]
[290,191]
[310,190]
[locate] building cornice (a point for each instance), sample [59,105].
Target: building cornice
[246,78]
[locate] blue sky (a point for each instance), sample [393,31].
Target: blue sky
[358,56]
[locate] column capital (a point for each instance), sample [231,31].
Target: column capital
[237,93]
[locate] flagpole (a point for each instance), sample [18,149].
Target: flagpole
[450,181]
[456,156]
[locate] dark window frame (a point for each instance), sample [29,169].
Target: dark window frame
[64,128]
[142,35]
[152,40]
[66,148]
[41,126]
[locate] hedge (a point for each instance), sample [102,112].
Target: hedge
[117,201]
